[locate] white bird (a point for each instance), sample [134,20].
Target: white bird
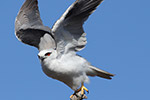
[58,46]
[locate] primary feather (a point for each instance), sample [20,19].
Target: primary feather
[68,30]
[29,27]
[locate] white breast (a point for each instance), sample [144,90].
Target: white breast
[69,69]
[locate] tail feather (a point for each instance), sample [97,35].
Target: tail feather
[100,73]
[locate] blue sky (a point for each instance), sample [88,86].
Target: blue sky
[118,36]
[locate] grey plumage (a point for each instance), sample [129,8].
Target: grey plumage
[72,22]
[28,25]
[58,47]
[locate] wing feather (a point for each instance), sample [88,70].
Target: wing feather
[29,27]
[69,28]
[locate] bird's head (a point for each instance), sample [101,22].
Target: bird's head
[47,54]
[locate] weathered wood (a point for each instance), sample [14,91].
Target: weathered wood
[78,96]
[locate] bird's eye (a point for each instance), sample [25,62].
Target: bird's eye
[48,54]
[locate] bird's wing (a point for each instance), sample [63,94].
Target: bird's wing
[29,27]
[68,30]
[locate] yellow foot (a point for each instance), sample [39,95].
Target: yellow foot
[71,96]
[82,89]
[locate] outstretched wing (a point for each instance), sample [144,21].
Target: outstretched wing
[29,27]
[68,30]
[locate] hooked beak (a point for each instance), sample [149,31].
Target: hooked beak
[41,58]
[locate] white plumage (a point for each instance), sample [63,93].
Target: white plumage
[58,46]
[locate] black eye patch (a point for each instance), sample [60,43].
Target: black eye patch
[48,54]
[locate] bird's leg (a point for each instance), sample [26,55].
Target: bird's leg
[82,89]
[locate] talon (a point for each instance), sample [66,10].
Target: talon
[83,89]
[71,96]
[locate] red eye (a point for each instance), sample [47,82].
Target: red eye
[48,54]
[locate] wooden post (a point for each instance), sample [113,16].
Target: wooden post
[78,96]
